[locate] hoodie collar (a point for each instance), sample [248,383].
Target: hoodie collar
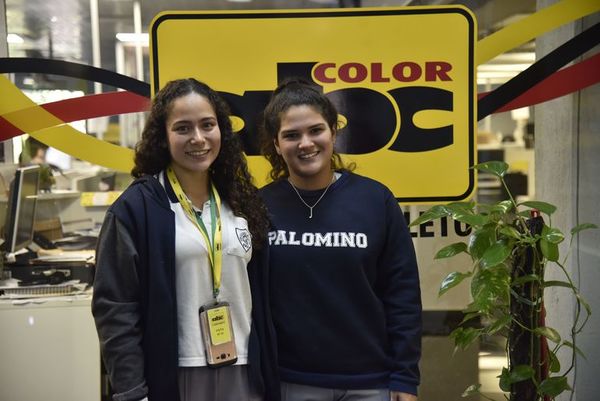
[162,178]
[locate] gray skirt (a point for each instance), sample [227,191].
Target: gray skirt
[221,384]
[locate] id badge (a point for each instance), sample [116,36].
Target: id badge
[217,334]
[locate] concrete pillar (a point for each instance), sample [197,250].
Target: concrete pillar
[567,145]
[6,146]
[3,44]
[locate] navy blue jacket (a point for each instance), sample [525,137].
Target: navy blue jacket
[134,302]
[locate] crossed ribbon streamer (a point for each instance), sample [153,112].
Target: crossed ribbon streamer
[542,81]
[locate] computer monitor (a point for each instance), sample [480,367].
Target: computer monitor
[20,211]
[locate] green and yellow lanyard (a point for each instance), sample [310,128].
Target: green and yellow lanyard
[214,244]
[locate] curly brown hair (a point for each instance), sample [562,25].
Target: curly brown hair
[295,92]
[229,172]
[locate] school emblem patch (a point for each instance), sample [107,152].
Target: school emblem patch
[244,238]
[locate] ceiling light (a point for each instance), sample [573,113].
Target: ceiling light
[503,67]
[133,38]
[14,38]
[514,57]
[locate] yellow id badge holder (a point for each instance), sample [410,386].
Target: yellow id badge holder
[217,334]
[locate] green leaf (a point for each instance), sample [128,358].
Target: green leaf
[474,220]
[585,304]
[472,308]
[504,382]
[549,250]
[552,235]
[489,288]
[470,316]
[452,280]
[511,232]
[495,255]
[433,213]
[499,324]
[581,227]
[464,207]
[549,333]
[543,207]
[548,243]
[521,373]
[451,250]
[465,336]
[555,283]
[493,167]
[471,390]
[479,241]
[572,346]
[554,362]
[553,386]
[518,374]
[502,207]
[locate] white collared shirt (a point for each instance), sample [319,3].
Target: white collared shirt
[194,280]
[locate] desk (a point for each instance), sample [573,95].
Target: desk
[49,351]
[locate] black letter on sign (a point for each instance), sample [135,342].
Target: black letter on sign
[411,100]
[295,70]
[249,108]
[370,116]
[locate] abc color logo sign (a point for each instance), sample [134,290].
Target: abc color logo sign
[402,79]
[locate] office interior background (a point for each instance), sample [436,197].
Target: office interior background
[552,148]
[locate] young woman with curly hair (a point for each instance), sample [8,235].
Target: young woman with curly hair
[181,243]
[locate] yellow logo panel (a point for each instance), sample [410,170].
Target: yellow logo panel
[402,79]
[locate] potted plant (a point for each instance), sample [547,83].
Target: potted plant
[511,246]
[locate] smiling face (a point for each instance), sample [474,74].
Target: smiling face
[305,142]
[193,135]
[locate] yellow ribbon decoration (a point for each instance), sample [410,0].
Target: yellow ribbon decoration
[26,115]
[60,136]
[17,109]
[530,27]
